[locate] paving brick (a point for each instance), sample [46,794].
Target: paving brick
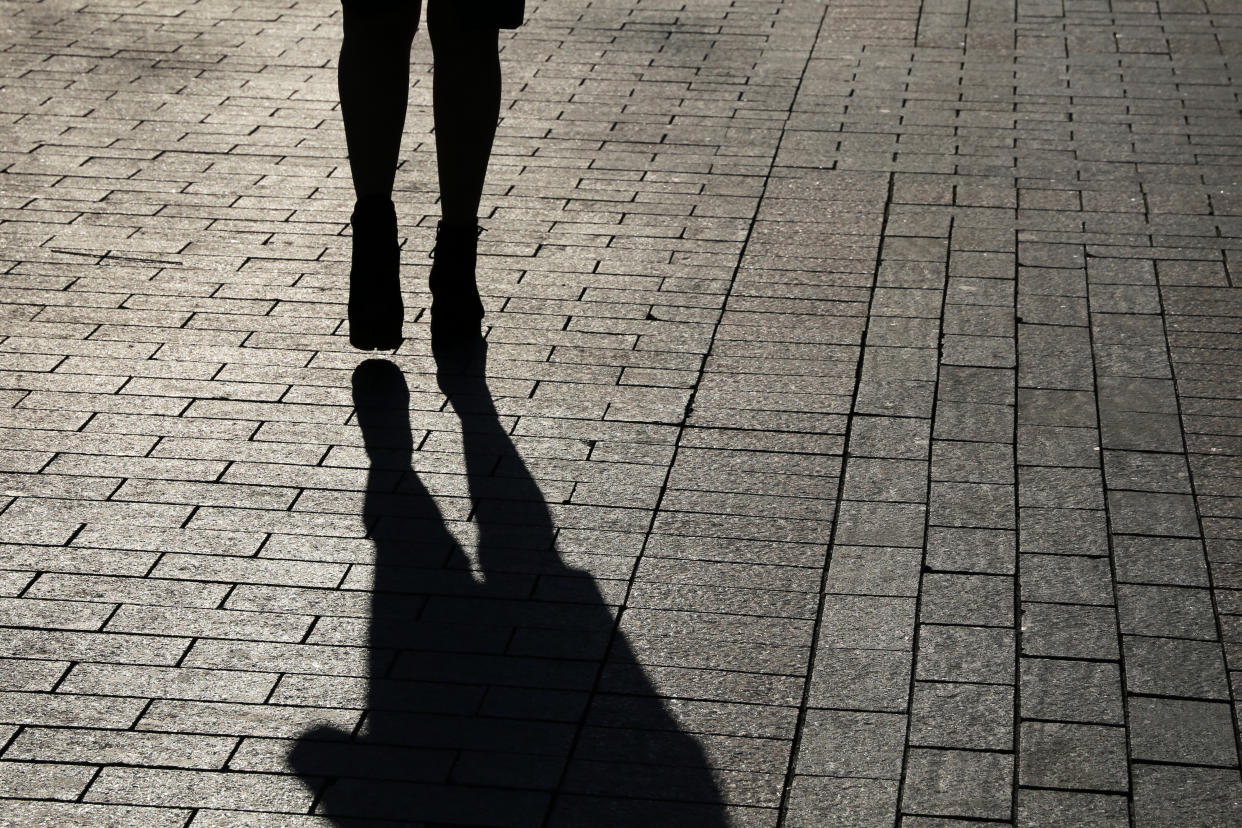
[29,674]
[852,744]
[43,812]
[880,524]
[1069,690]
[874,570]
[1184,732]
[958,783]
[844,800]
[1166,795]
[870,622]
[1068,578]
[234,719]
[971,550]
[45,780]
[1075,756]
[138,591]
[965,654]
[1063,532]
[1039,807]
[1175,667]
[861,679]
[1165,561]
[1069,631]
[167,682]
[182,788]
[1142,513]
[102,747]
[91,646]
[976,600]
[970,716]
[1165,611]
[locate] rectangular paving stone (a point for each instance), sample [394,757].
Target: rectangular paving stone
[1182,731]
[1073,756]
[121,747]
[1176,612]
[867,622]
[236,719]
[30,674]
[1037,807]
[1066,578]
[874,570]
[965,654]
[1069,631]
[1166,561]
[1142,513]
[861,679]
[862,523]
[1070,690]
[1063,532]
[971,716]
[181,788]
[167,682]
[852,744]
[45,780]
[971,550]
[901,438]
[35,812]
[972,600]
[1174,667]
[958,783]
[849,801]
[976,505]
[1168,795]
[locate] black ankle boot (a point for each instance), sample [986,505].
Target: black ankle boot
[375,308]
[456,309]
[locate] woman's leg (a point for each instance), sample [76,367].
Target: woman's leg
[466,104]
[466,98]
[374,82]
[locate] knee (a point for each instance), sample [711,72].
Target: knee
[454,37]
[379,26]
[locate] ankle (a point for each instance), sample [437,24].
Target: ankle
[457,233]
[456,242]
[457,224]
[373,207]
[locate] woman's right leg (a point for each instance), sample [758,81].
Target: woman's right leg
[373,78]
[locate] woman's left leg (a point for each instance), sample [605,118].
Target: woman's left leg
[466,107]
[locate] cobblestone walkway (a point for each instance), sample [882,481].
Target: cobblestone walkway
[860,440]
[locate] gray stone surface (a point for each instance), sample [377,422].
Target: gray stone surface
[859,444]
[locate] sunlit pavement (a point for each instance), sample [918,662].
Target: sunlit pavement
[860,443]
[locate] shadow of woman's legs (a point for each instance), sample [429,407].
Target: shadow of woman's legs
[484,675]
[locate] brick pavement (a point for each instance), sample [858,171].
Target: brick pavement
[859,443]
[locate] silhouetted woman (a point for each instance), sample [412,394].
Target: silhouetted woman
[374,79]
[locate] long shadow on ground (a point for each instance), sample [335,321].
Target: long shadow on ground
[481,708]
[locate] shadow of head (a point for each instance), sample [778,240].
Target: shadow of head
[382,407]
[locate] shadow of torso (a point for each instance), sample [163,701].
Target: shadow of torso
[484,705]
